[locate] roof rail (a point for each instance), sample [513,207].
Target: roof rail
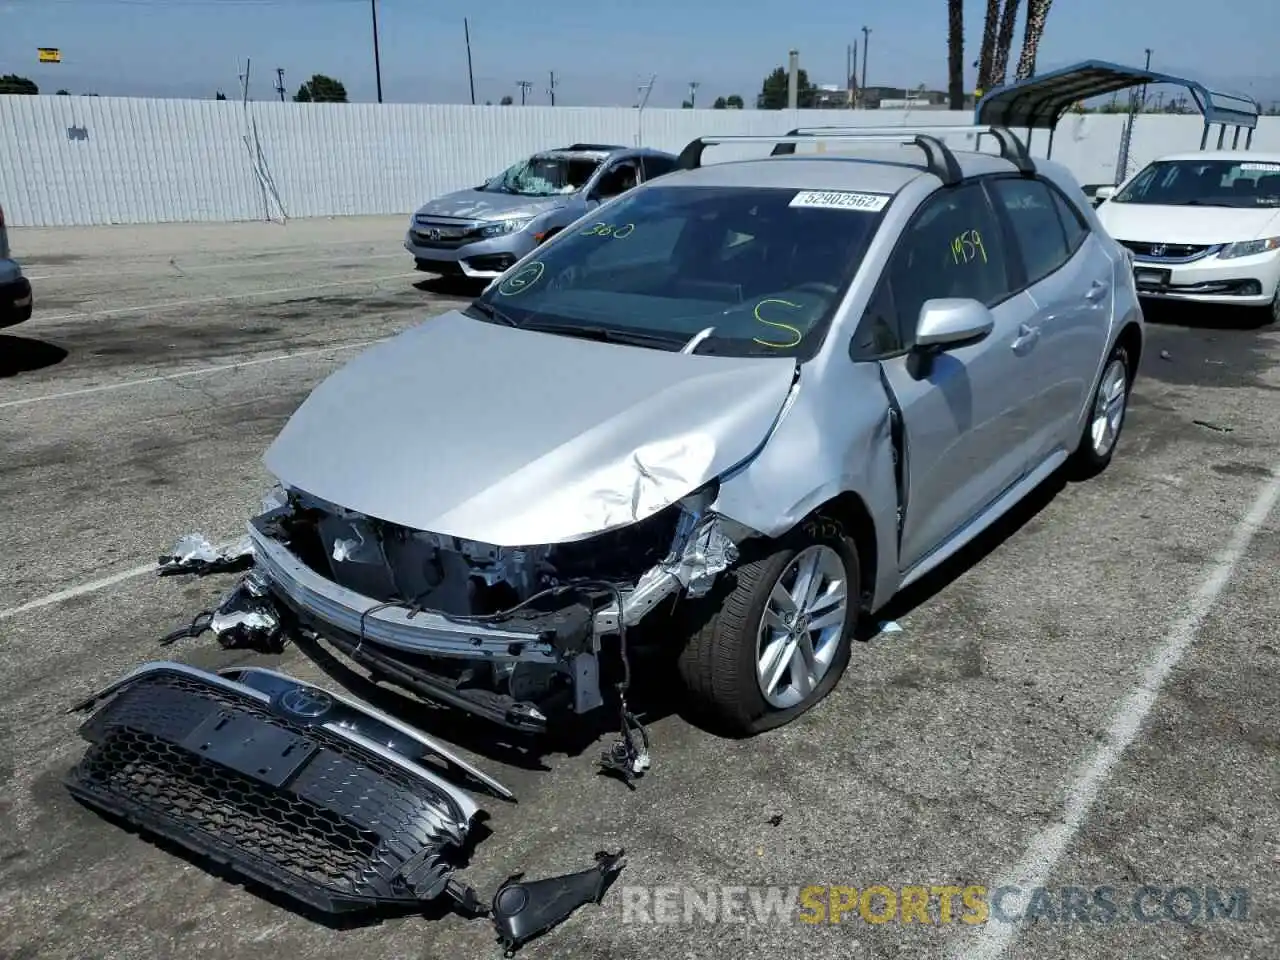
[1011,148]
[595,146]
[941,160]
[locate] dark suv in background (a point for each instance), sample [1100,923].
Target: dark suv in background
[15,289]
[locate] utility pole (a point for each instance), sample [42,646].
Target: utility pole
[1144,86]
[866,34]
[524,86]
[244,81]
[848,72]
[377,56]
[280,82]
[693,93]
[471,79]
[551,88]
[793,79]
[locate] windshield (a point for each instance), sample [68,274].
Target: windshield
[1210,183]
[544,175]
[763,268]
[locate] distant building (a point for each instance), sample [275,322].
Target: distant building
[832,96]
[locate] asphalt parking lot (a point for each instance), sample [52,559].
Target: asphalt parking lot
[1092,698]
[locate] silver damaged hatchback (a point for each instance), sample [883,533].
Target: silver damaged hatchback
[724,416]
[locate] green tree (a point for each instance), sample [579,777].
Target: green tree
[321,89]
[720,104]
[735,102]
[506,101]
[220,96]
[955,53]
[1004,43]
[686,105]
[64,93]
[773,92]
[12,83]
[1037,16]
[987,52]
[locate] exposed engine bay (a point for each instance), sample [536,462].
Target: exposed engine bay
[514,634]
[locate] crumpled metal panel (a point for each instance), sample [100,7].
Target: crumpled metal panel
[548,459]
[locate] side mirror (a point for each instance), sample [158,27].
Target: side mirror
[1103,193]
[951,323]
[946,324]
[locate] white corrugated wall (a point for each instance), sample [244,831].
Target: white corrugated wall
[75,161]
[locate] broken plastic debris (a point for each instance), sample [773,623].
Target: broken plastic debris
[890,626]
[355,550]
[274,499]
[247,617]
[194,553]
[523,909]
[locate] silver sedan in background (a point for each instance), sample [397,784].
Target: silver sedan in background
[481,231]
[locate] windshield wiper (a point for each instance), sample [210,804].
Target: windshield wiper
[607,335]
[490,312]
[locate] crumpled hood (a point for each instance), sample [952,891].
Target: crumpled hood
[1151,223]
[483,205]
[518,438]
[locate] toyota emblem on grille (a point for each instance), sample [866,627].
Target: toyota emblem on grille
[306,703]
[1157,249]
[433,233]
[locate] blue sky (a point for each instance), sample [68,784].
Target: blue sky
[599,50]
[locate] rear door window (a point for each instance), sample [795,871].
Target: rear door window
[1037,226]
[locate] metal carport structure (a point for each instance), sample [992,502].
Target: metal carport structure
[1039,102]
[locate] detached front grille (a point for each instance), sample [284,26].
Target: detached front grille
[290,805]
[1169,251]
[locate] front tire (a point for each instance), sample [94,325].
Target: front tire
[775,635]
[1106,418]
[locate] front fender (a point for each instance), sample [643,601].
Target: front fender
[834,439]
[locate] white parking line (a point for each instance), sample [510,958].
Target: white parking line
[79,591]
[185,268]
[170,304]
[201,372]
[91,587]
[1049,845]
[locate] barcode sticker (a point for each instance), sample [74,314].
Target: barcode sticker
[840,200]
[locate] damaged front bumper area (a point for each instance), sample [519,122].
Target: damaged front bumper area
[511,634]
[313,795]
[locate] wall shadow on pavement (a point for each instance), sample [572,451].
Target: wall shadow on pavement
[25,355]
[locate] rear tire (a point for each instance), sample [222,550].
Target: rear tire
[738,642]
[1107,412]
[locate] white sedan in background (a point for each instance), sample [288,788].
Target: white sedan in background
[1203,227]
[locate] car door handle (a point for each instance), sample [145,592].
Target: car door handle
[1097,290]
[1027,337]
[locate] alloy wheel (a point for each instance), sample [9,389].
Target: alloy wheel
[1109,407]
[802,626]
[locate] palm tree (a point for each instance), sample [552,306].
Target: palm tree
[1004,42]
[988,43]
[955,53]
[1037,14]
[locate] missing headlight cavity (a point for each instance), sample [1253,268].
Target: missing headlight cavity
[390,563]
[513,634]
